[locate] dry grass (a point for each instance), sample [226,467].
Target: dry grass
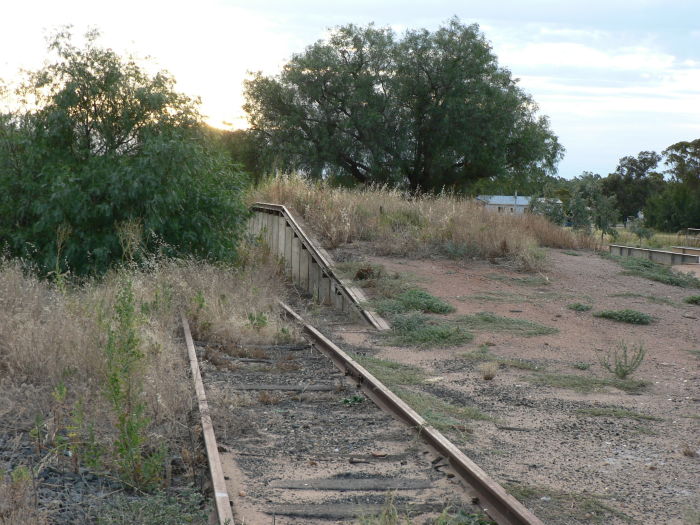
[419,225]
[17,500]
[56,335]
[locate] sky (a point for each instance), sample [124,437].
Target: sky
[614,77]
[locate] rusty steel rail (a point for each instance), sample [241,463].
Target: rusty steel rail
[221,497]
[492,498]
[309,266]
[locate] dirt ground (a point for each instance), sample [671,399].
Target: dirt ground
[567,464]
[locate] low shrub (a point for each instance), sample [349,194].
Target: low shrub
[413,299]
[625,316]
[693,299]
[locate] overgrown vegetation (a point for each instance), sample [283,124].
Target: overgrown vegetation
[625,316]
[418,226]
[655,272]
[95,376]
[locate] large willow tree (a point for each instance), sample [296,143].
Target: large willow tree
[429,110]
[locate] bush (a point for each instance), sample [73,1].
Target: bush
[625,316]
[693,299]
[112,164]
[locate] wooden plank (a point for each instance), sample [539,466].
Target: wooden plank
[346,484]
[274,233]
[221,497]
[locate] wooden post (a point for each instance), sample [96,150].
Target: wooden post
[296,257]
[288,236]
[304,258]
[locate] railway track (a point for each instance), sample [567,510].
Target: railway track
[304,434]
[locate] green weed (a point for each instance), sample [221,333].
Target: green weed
[579,307]
[416,329]
[693,299]
[581,365]
[490,322]
[621,363]
[353,400]
[625,316]
[257,320]
[568,252]
[123,390]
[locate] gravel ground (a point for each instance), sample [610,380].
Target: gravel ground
[572,457]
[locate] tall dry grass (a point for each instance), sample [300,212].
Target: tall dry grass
[417,225]
[54,335]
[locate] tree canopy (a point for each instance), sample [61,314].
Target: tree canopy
[678,205]
[428,110]
[634,181]
[100,147]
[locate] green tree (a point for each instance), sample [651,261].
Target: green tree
[678,205]
[634,182]
[96,145]
[428,110]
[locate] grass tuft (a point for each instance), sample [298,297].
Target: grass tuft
[413,299]
[579,307]
[490,322]
[416,329]
[625,316]
[693,299]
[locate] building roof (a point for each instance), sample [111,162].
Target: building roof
[504,200]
